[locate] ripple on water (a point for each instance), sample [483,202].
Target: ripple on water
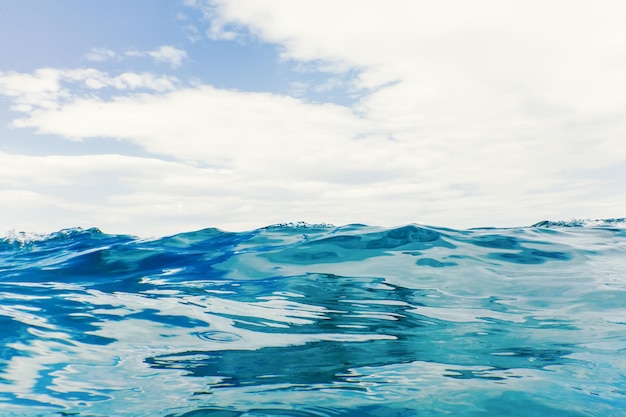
[218,336]
[316,322]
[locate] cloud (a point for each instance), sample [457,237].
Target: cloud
[503,89]
[42,88]
[45,193]
[217,29]
[490,113]
[100,55]
[164,54]
[252,133]
[49,88]
[192,33]
[151,197]
[244,160]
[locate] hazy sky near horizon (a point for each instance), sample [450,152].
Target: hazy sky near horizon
[157,117]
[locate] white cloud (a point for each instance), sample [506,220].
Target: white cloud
[51,192]
[192,33]
[42,88]
[100,55]
[298,88]
[217,26]
[164,54]
[274,158]
[144,80]
[333,83]
[489,113]
[150,197]
[48,88]
[522,90]
[169,55]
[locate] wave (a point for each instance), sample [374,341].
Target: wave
[300,319]
[25,237]
[619,222]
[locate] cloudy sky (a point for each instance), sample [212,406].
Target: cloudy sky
[157,117]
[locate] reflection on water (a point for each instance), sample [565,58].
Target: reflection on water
[316,321]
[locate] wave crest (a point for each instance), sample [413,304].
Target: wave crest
[614,222]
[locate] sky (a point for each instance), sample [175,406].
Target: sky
[158,117]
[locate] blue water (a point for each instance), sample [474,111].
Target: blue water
[315,320]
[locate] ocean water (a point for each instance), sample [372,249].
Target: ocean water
[314,320]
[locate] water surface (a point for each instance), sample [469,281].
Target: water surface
[315,320]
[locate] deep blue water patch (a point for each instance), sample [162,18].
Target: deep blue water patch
[314,320]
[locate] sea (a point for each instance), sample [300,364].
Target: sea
[316,320]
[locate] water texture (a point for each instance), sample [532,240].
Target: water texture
[315,320]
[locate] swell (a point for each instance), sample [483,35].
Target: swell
[79,255]
[338,320]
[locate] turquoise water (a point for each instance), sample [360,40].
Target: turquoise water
[315,320]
